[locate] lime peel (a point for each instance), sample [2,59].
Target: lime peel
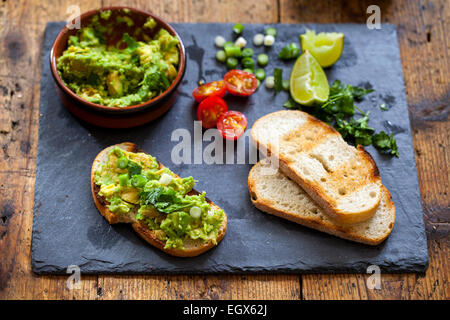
[308,82]
[326,47]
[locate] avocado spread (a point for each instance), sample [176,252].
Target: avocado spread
[134,184]
[125,74]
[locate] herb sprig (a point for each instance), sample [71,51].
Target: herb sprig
[339,111]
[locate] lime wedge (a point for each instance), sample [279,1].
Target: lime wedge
[308,83]
[325,47]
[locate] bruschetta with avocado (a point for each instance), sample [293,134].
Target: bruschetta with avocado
[130,186]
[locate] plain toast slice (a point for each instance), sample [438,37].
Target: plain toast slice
[342,179]
[278,195]
[191,247]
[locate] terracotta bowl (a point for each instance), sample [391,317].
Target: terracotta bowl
[115,117]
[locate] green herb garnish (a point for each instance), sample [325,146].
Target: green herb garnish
[385,143]
[131,43]
[133,168]
[356,130]
[339,111]
[165,200]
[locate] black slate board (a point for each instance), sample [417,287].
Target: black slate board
[68,230]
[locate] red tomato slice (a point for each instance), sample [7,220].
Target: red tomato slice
[209,110]
[240,83]
[232,124]
[211,89]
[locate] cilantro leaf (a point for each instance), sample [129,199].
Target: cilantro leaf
[131,43]
[356,130]
[359,93]
[339,111]
[133,168]
[165,200]
[385,143]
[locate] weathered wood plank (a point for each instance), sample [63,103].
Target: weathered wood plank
[432,285]
[18,130]
[424,51]
[201,287]
[21,34]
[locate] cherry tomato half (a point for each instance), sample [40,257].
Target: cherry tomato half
[240,83]
[209,110]
[211,89]
[232,124]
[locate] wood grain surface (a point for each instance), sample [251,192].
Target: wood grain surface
[423,34]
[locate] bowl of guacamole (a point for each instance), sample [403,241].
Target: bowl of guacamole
[121,67]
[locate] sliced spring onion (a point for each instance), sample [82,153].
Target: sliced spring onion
[238,28]
[221,56]
[195,212]
[258,39]
[228,44]
[248,63]
[271,32]
[270,82]
[260,74]
[219,41]
[269,40]
[165,179]
[262,59]
[123,179]
[122,162]
[240,42]
[233,51]
[232,63]
[285,85]
[247,52]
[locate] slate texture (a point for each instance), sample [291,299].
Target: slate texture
[68,230]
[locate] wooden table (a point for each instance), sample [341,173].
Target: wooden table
[424,44]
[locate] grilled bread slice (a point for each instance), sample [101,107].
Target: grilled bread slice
[191,247]
[342,179]
[278,195]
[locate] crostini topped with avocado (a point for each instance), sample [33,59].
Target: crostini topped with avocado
[130,186]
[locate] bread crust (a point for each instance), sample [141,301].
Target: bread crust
[315,191]
[336,229]
[192,248]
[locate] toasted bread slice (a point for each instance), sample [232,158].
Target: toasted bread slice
[192,248]
[342,179]
[278,195]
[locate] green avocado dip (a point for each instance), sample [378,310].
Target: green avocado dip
[128,73]
[135,185]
